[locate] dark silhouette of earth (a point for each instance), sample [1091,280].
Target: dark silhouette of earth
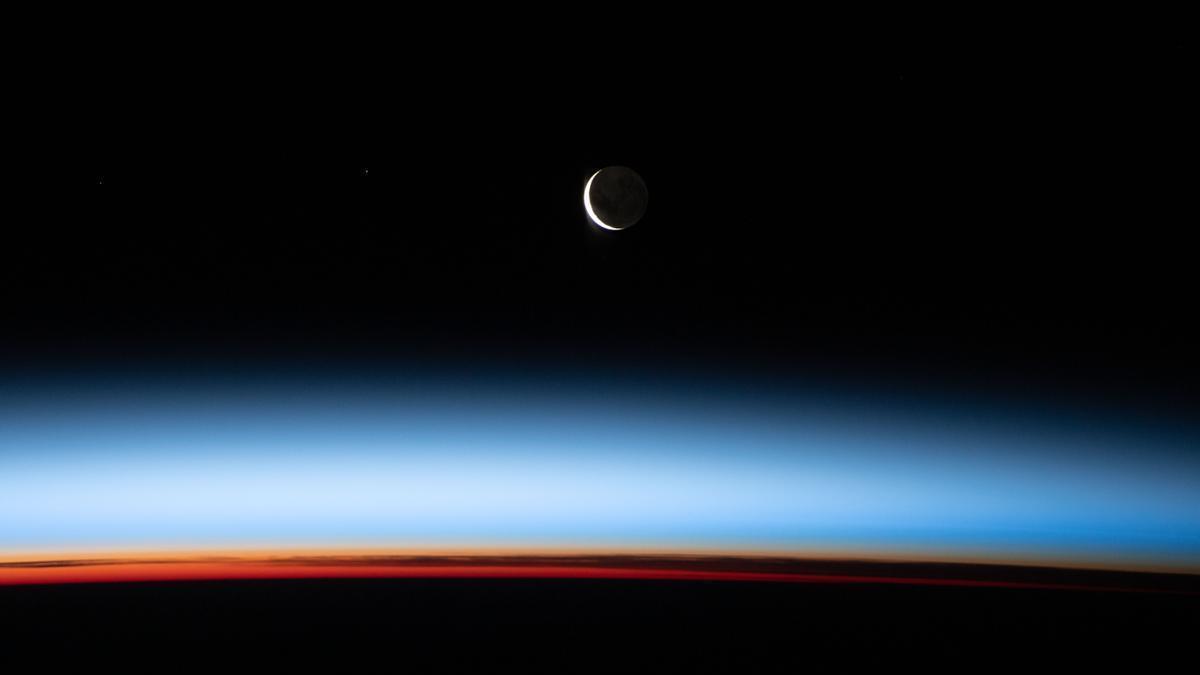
[676,613]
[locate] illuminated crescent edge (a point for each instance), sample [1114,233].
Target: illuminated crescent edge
[587,204]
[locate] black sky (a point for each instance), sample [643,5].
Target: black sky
[922,207]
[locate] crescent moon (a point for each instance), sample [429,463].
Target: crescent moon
[587,203]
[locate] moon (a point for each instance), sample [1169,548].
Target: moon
[615,198]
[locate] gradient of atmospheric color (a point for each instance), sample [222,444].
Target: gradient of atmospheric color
[104,467]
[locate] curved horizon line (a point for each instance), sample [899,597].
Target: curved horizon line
[664,567]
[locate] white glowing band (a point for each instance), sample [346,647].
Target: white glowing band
[587,204]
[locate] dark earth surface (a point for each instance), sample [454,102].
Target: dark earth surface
[575,624]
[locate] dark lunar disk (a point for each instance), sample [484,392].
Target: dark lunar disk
[617,196]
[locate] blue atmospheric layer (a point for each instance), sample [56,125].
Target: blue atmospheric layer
[578,461]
